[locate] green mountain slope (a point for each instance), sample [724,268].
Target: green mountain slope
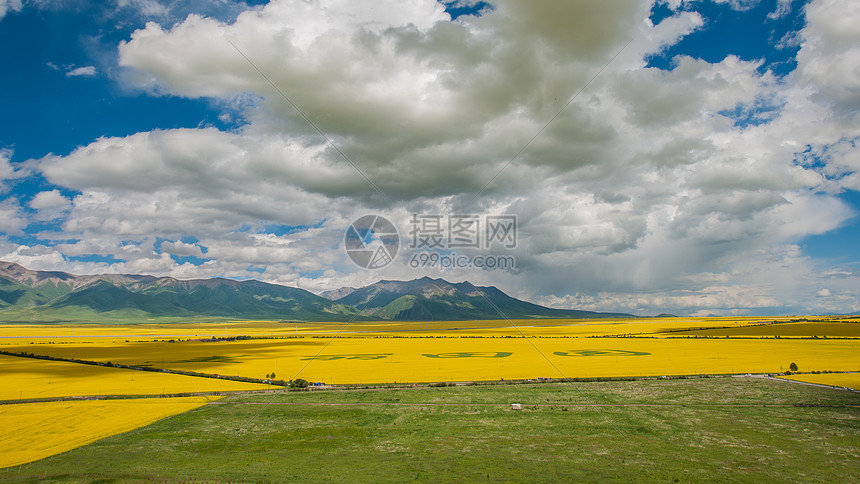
[27,295]
[32,295]
[438,300]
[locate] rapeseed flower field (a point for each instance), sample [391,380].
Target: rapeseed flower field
[457,351]
[28,378]
[33,431]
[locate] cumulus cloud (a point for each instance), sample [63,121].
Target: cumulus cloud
[7,171]
[50,205]
[829,56]
[49,199]
[12,171]
[12,220]
[38,258]
[182,249]
[647,193]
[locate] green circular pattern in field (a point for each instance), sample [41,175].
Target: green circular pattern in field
[471,354]
[600,353]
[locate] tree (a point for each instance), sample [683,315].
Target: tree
[792,366]
[299,383]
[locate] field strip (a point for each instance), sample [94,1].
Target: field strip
[526,405]
[349,361]
[37,379]
[34,431]
[843,381]
[138,397]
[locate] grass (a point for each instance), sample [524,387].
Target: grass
[689,430]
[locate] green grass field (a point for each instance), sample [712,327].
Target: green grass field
[691,430]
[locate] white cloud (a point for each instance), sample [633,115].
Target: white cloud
[642,195]
[36,258]
[50,205]
[11,218]
[740,4]
[783,8]
[72,71]
[49,199]
[146,8]
[829,58]
[85,71]
[7,171]
[182,249]
[7,6]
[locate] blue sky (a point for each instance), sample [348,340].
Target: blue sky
[134,139]
[49,111]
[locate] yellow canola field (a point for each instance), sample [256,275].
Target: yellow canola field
[33,431]
[804,329]
[849,380]
[20,334]
[381,360]
[17,334]
[22,378]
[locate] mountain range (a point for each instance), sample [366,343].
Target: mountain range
[27,295]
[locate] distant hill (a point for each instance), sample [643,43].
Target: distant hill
[27,295]
[428,299]
[335,294]
[44,294]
